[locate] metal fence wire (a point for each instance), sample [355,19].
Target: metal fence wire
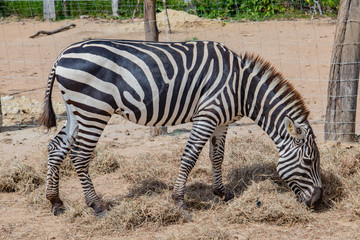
[299,48]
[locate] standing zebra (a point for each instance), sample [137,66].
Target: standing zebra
[164,84]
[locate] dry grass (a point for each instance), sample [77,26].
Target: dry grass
[249,172]
[265,202]
[341,177]
[102,161]
[128,214]
[19,177]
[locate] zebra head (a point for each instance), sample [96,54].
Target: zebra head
[299,162]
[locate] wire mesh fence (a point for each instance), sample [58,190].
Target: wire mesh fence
[299,48]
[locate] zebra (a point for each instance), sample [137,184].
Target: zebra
[170,83]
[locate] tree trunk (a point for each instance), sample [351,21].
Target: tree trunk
[49,9]
[344,75]
[152,34]
[151,31]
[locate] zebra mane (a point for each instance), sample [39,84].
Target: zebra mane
[263,67]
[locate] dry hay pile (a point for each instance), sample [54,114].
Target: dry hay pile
[341,176]
[249,172]
[23,110]
[266,202]
[16,176]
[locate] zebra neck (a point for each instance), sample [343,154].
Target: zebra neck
[267,98]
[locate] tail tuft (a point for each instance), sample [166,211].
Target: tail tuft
[48,118]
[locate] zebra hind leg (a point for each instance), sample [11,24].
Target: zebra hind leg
[200,134]
[217,147]
[58,148]
[80,155]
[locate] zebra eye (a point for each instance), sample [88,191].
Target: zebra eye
[298,141]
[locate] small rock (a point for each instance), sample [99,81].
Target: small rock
[16,110]
[6,98]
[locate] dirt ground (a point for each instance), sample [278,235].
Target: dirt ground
[300,49]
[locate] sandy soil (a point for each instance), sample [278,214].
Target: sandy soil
[299,49]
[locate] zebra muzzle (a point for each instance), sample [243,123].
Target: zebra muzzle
[316,196]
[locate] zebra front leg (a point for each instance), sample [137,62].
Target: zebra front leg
[57,151]
[217,147]
[200,133]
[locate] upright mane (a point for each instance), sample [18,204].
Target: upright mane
[287,89]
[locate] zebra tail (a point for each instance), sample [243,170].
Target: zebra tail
[48,117]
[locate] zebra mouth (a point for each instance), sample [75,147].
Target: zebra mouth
[314,198]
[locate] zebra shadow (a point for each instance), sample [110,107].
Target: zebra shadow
[147,187]
[241,178]
[200,196]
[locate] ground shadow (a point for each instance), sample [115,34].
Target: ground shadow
[241,178]
[147,187]
[333,191]
[200,196]
[20,126]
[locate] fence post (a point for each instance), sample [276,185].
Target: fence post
[115,7]
[49,9]
[344,75]
[152,34]
[1,116]
[151,30]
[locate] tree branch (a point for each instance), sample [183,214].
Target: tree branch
[67,27]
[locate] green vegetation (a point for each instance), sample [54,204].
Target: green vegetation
[226,9]
[261,9]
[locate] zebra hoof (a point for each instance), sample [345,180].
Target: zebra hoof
[179,201]
[58,210]
[101,214]
[228,197]
[186,215]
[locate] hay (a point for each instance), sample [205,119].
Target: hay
[129,214]
[341,177]
[23,110]
[104,161]
[249,160]
[249,172]
[19,177]
[147,166]
[263,202]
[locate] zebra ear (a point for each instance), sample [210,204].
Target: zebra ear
[293,128]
